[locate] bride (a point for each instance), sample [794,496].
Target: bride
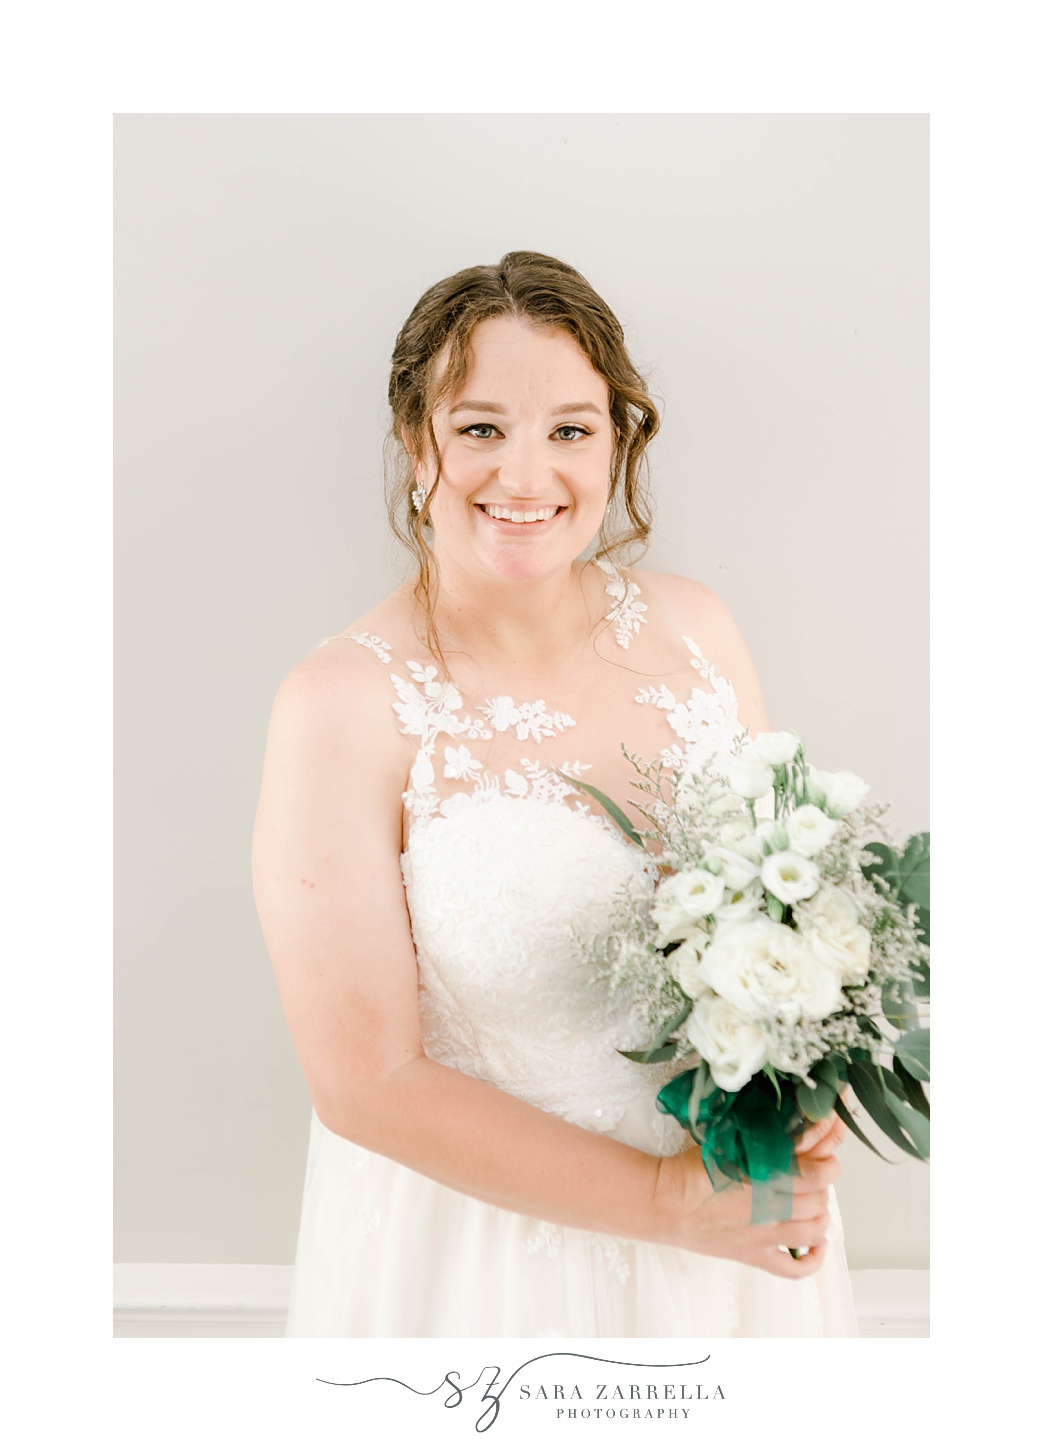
[482,1160]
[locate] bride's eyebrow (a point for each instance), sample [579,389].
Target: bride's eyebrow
[480,405]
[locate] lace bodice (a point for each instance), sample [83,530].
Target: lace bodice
[509,870]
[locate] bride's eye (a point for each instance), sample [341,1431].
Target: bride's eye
[574,430]
[475,430]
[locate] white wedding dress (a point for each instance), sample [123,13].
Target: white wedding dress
[508,872]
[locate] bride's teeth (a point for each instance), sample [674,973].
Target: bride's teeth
[520,516]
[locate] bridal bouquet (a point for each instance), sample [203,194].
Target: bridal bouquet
[779,960]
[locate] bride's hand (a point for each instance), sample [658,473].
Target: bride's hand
[718,1223]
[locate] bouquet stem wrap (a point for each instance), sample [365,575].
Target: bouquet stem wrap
[748,1135]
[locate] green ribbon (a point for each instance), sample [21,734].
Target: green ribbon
[745,1136]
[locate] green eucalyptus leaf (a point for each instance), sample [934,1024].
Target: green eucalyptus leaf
[884,864]
[663,1054]
[913,1050]
[620,817]
[914,871]
[816,1103]
[871,1094]
[843,1114]
[913,1122]
[898,1002]
[769,1074]
[671,1026]
[913,1090]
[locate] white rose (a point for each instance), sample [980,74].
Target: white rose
[809,830]
[831,925]
[682,901]
[777,748]
[748,775]
[839,791]
[789,876]
[734,1047]
[762,967]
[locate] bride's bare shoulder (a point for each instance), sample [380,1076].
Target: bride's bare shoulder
[676,602]
[337,697]
[686,609]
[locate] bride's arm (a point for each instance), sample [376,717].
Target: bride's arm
[333,909]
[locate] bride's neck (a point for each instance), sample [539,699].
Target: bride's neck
[525,622]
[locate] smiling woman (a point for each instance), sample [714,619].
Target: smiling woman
[524,494]
[483,1160]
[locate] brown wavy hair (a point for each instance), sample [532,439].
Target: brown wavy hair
[548,293]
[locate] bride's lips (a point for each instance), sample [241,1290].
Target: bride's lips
[513,526]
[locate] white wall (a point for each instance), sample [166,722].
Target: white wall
[772,274]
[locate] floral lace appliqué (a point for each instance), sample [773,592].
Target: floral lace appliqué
[529,721]
[625,613]
[706,724]
[381,649]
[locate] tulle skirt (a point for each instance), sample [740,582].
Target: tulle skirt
[384,1251]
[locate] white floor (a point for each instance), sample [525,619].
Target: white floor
[251,1300]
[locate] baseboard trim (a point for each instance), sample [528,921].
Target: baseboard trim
[210,1301]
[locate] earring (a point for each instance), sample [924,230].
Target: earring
[419,495]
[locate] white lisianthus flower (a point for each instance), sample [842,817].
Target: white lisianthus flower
[789,876]
[831,925]
[740,903]
[838,791]
[809,830]
[734,1047]
[748,776]
[737,869]
[683,901]
[737,836]
[683,962]
[766,969]
[770,832]
[777,748]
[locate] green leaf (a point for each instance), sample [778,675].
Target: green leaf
[913,1091]
[845,1117]
[923,925]
[899,1004]
[815,1103]
[769,1074]
[922,984]
[885,863]
[914,871]
[871,1093]
[913,1050]
[621,819]
[672,1025]
[913,1122]
[907,877]
[663,1054]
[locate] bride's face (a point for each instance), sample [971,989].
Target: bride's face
[526,449]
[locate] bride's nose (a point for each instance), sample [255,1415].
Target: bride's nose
[523,468]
